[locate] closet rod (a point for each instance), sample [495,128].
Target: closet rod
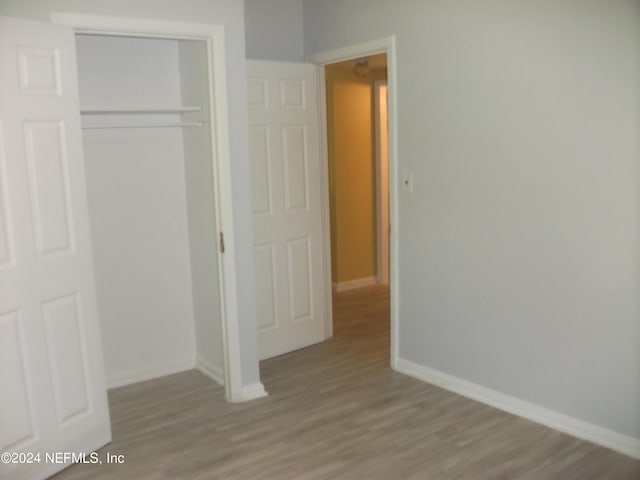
[141,125]
[138,111]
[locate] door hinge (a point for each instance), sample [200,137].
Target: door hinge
[221,242]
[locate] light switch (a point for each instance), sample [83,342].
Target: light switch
[407,182]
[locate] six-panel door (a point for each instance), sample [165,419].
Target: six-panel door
[51,372]
[286,198]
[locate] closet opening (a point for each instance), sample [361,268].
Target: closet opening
[154,205]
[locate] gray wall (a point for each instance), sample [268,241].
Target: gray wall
[520,248]
[229,13]
[273,30]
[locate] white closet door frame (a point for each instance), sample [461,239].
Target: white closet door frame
[213,35]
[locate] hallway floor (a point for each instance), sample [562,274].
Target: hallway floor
[336,411]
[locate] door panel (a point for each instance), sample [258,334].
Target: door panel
[295,148]
[265,261]
[16,416]
[300,282]
[50,352]
[261,168]
[7,258]
[39,71]
[47,164]
[67,360]
[287,227]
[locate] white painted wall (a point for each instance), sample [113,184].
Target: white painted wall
[203,239]
[137,200]
[520,249]
[273,30]
[230,14]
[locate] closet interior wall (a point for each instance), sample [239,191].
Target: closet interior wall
[147,148]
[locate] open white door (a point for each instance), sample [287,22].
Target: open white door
[286,205]
[51,373]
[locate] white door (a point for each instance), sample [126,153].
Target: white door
[51,374]
[286,206]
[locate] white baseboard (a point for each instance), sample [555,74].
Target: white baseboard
[251,392]
[120,379]
[353,284]
[212,371]
[578,428]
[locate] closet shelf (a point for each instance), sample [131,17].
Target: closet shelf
[127,117]
[139,111]
[141,125]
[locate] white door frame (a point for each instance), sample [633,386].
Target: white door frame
[384,45]
[213,35]
[382,186]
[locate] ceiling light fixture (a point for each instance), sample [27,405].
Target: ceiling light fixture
[361,68]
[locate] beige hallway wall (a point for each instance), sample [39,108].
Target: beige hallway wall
[352,175]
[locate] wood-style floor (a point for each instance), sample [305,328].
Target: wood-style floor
[335,411]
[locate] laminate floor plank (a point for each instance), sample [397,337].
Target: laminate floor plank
[335,411]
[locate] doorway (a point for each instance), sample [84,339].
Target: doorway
[358,171]
[366,49]
[358,181]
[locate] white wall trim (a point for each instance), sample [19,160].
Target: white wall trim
[354,284]
[139,27]
[350,52]
[252,392]
[325,202]
[213,35]
[212,371]
[573,426]
[127,377]
[384,45]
